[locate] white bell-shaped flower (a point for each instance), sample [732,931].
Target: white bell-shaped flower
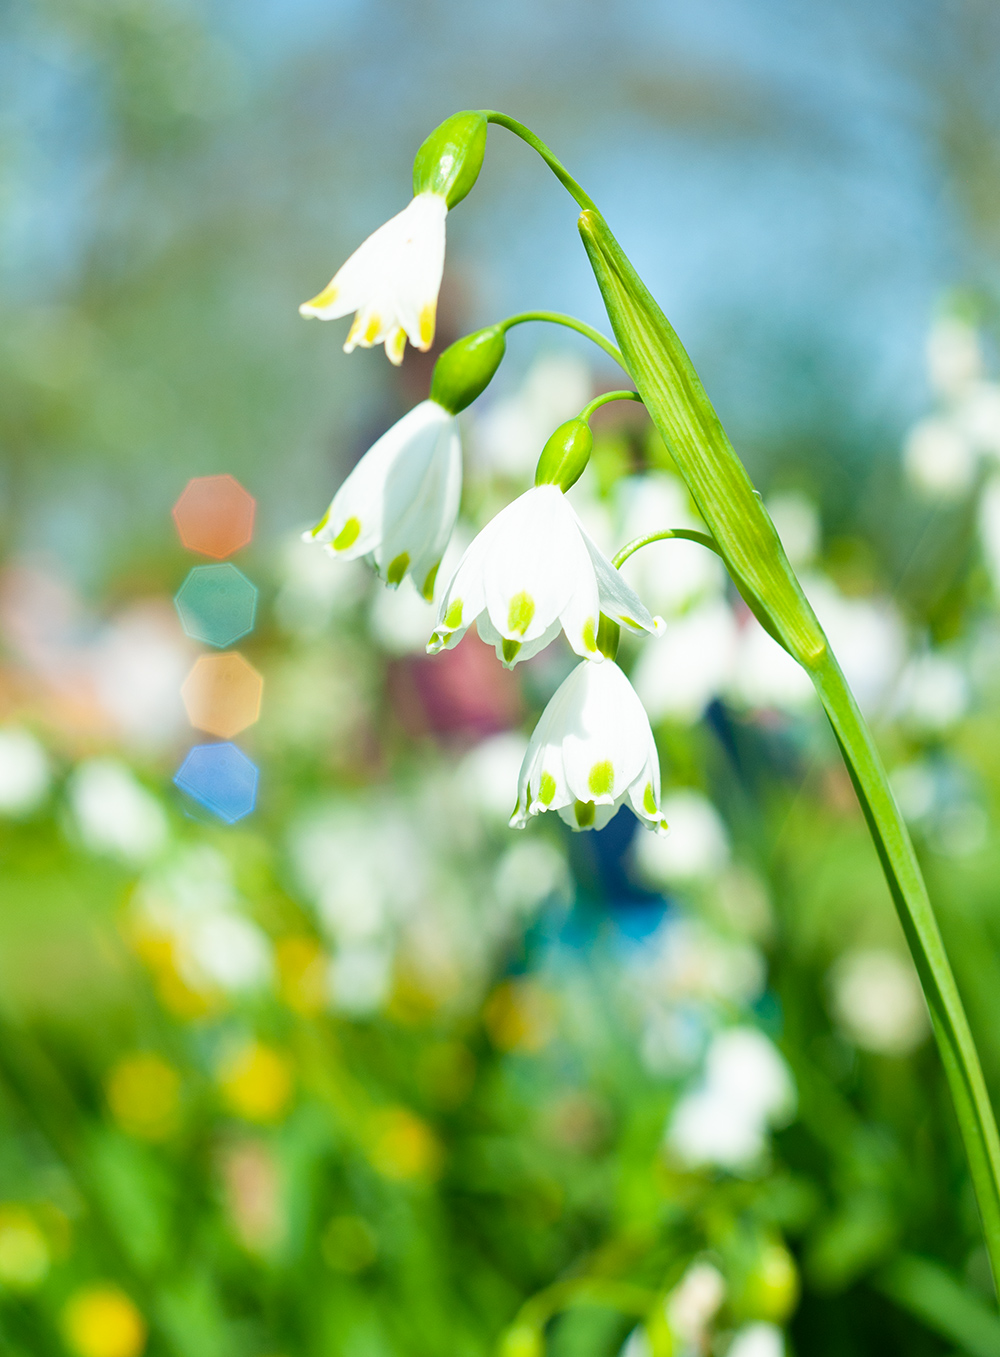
[531,571]
[398,506]
[391,281]
[591,750]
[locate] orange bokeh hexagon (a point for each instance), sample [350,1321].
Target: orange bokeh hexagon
[214,516]
[222,694]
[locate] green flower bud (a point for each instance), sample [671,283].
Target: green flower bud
[450,159]
[467,367]
[565,455]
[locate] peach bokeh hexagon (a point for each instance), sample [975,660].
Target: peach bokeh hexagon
[214,516]
[222,694]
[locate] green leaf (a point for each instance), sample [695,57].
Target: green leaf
[718,482]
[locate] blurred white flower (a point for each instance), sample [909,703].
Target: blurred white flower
[686,960]
[933,693]
[591,750]
[694,1303]
[673,574]
[360,978]
[138,665]
[488,773]
[24,772]
[392,281]
[747,1088]
[400,620]
[363,865]
[796,520]
[757,1340]
[877,1001]
[867,636]
[696,847]
[979,417]
[954,356]
[679,673]
[989,529]
[114,813]
[939,458]
[507,438]
[313,592]
[764,675]
[228,950]
[529,872]
[915,789]
[192,899]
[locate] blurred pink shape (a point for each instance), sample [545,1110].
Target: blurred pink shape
[461,692]
[215,516]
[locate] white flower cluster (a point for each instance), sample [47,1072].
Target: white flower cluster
[957,448]
[531,573]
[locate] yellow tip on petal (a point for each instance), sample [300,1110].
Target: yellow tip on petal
[395,346]
[320,302]
[428,317]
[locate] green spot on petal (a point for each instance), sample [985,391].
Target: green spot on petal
[321,524]
[602,778]
[398,567]
[520,612]
[546,789]
[510,649]
[631,622]
[348,534]
[649,800]
[428,589]
[584,812]
[453,617]
[589,635]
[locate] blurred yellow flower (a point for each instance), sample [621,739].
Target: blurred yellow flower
[257,1082]
[303,969]
[403,1146]
[24,1252]
[520,1016]
[101,1321]
[144,1096]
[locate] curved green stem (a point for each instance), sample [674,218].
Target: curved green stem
[605,398]
[906,884]
[536,144]
[571,323]
[748,543]
[686,534]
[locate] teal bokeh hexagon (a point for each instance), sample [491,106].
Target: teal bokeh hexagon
[216,604]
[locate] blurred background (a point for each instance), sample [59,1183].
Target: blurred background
[303,1053]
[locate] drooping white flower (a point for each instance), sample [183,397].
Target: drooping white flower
[399,504]
[591,750]
[531,571]
[391,281]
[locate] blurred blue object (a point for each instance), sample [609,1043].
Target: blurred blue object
[221,778]
[216,604]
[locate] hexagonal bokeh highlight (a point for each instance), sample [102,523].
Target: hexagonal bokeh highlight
[221,778]
[214,515]
[222,694]
[216,604]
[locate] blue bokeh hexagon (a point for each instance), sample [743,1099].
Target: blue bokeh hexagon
[216,604]
[221,778]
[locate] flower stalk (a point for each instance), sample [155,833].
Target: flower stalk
[744,536]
